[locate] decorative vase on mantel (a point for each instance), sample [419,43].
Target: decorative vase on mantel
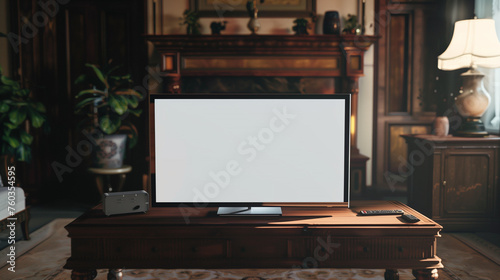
[331,23]
[254,25]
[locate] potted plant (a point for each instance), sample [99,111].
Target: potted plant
[191,20]
[106,105]
[301,26]
[19,112]
[351,25]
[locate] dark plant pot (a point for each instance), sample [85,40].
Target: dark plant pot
[192,30]
[300,30]
[110,151]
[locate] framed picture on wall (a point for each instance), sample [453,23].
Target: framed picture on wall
[269,8]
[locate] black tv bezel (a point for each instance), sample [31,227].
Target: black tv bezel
[347,147]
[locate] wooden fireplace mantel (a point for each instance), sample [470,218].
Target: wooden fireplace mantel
[243,55]
[309,56]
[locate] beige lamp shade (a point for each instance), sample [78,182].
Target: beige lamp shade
[474,43]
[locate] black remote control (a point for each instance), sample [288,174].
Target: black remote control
[410,218]
[380,212]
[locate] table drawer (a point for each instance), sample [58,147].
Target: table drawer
[164,248]
[260,247]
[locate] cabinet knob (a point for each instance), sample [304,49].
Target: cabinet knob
[444,183]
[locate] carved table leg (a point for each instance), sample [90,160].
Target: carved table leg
[25,229]
[391,274]
[426,274]
[99,181]
[83,274]
[115,274]
[121,182]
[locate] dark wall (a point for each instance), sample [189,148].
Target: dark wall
[58,38]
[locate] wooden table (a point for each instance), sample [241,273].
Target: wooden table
[304,237]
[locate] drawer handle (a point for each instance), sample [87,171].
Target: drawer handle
[154,249]
[243,249]
[194,249]
[366,249]
[444,183]
[400,249]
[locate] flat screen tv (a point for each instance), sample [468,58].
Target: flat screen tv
[239,152]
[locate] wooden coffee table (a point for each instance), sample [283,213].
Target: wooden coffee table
[304,237]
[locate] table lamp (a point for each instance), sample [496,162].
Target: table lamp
[474,43]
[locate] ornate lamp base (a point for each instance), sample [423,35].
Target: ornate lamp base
[472,103]
[472,127]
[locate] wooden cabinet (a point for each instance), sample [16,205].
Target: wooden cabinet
[454,180]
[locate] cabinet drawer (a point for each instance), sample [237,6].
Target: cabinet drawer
[165,248]
[259,248]
[207,248]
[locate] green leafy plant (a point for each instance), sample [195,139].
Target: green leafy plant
[301,26]
[18,113]
[351,24]
[191,20]
[108,102]
[301,22]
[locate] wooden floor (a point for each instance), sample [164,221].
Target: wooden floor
[465,262]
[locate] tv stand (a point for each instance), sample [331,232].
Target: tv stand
[249,211]
[165,238]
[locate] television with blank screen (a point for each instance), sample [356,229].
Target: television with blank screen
[245,154]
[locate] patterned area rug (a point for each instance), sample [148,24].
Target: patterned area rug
[46,259]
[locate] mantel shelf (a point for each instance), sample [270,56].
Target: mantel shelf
[261,44]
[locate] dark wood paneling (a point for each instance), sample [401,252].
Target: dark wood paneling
[49,61]
[397,145]
[405,74]
[397,65]
[116,38]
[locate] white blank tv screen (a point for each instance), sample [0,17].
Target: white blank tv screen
[251,150]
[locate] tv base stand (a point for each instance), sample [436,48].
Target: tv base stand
[163,238]
[249,211]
